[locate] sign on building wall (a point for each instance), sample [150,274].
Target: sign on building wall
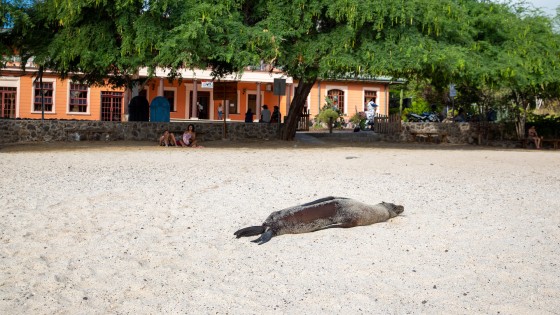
[279,86]
[207,84]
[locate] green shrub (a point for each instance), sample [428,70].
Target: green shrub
[358,119]
[326,114]
[418,106]
[329,114]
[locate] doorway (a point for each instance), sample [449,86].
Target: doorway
[8,102]
[111,106]
[252,103]
[204,101]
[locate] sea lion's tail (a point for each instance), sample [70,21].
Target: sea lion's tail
[250,231]
[265,233]
[265,237]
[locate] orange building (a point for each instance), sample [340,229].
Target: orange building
[20,95]
[351,96]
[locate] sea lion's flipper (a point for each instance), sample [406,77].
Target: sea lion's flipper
[265,237]
[250,231]
[321,200]
[343,225]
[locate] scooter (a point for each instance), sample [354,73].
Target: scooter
[431,117]
[425,117]
[415,118]
[368,125]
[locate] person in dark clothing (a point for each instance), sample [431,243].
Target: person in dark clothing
[275,118]
[461,116]
[249,116]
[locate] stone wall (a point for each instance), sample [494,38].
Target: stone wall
[463,133]
[31,130]
[455,133]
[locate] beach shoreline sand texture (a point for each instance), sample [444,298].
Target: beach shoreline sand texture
[139,229]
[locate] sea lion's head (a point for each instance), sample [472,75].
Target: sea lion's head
[394,209]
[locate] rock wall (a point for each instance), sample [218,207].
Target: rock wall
[463,133]
[31,130]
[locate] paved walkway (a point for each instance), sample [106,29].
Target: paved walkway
[307,138]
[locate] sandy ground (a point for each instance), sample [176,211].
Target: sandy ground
[131,228]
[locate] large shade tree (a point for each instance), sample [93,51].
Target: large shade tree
[531,59]
[443,40]
[320,39]
[515,53]
[310,40]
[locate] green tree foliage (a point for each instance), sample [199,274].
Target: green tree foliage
[101,39]
[9,12]
[477,44]
[211,34]
[30,34]
[330,39]
[516,54]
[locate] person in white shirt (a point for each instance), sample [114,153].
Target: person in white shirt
[371,111]
[372,107]
[265,114]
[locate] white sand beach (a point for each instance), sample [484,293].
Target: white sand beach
[140,229]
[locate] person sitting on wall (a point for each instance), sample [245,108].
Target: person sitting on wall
[167,139]
[533,137]
[461,116]
[265,114]
[249,116]
[189,138]
[275,117]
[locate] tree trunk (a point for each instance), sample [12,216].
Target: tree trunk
[40,78]
[521,116]
[296,107]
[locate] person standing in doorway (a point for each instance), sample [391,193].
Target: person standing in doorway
[220,111]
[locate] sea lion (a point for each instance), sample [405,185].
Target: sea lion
[324,213]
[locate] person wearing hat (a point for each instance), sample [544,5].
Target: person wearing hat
[371,111]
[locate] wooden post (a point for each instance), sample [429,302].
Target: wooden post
[194,104]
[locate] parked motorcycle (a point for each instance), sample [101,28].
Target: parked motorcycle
[368,123]
[425,117]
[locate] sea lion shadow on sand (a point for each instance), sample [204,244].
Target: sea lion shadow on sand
[324,213]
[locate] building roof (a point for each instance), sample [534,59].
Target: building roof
[365,78]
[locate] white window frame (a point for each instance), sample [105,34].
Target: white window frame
[254,92]
[343,88]
[45,80]
[377,96]
[68,112]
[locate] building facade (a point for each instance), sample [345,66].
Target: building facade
[21,95]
